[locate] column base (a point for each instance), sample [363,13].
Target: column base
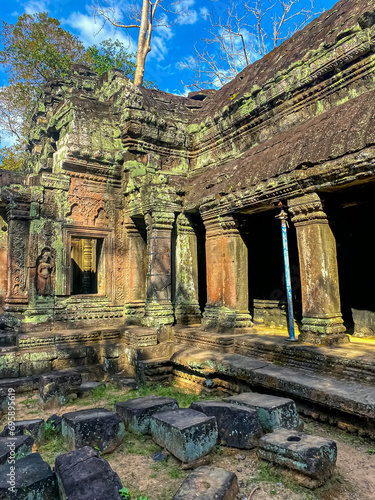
[188,314]
[157,315]
[134,312]
[323,331]
[221,319]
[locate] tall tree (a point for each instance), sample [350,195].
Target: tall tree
[245,32]
[36,50]
[139,15]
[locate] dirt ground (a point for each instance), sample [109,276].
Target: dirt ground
[144,477]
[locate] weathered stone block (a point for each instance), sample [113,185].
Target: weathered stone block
[15,447]
[100,428]
[186,433]
[273,411]
[83,475]
[313,457]
[54,424]
[33,480]
[33,428]
[237,426]
[87,387]
[364,323]
[56,388]
[137,413]
[206,483]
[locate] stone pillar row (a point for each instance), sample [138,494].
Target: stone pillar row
[227,272]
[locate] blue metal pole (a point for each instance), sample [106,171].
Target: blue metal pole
[283,216]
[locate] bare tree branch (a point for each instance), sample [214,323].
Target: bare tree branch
[245,33]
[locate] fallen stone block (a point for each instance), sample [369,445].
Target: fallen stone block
[312,457]
[273,411]
[15,447]
[4,401]
[53,424]
[187,434]
[137,413]
[56,388]
[29,479]
[207,483]
[34,428]
[100,428]
[86,388]
[83,475]
[238,426]
[124,382]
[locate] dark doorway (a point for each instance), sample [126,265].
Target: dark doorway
[351,215]
[266,262]
[87,272]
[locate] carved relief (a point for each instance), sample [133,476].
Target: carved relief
[45,268]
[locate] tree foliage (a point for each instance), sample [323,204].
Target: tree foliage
[36,50]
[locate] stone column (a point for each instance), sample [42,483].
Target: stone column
[322,321]
[18,242]
[159,309]
[186,296]
[136,270]
[227,276]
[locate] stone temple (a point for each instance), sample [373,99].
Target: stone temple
[145,221]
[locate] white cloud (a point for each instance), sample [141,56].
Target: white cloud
[90,31]
[186,15]
[35,6]
[204,12]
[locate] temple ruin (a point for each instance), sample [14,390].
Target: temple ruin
[144,221]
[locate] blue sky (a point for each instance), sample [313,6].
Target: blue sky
[171,46]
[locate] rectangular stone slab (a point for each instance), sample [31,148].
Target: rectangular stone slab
[136,413]
[273,411]
[56,387]
[207,483]
[96,427]
[15,446]
[186,433]
[311,456]
[34,428]
[237,426]
[84,475]
[33,479]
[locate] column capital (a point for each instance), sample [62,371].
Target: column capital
[307,209]
[185,224]
[221,225]
[162,221]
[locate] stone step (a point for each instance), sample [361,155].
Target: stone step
[327,393]
[155,370]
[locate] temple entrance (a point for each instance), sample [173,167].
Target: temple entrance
[267,292]
[87,267]
[351,214]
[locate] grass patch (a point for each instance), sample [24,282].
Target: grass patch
[52,447]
